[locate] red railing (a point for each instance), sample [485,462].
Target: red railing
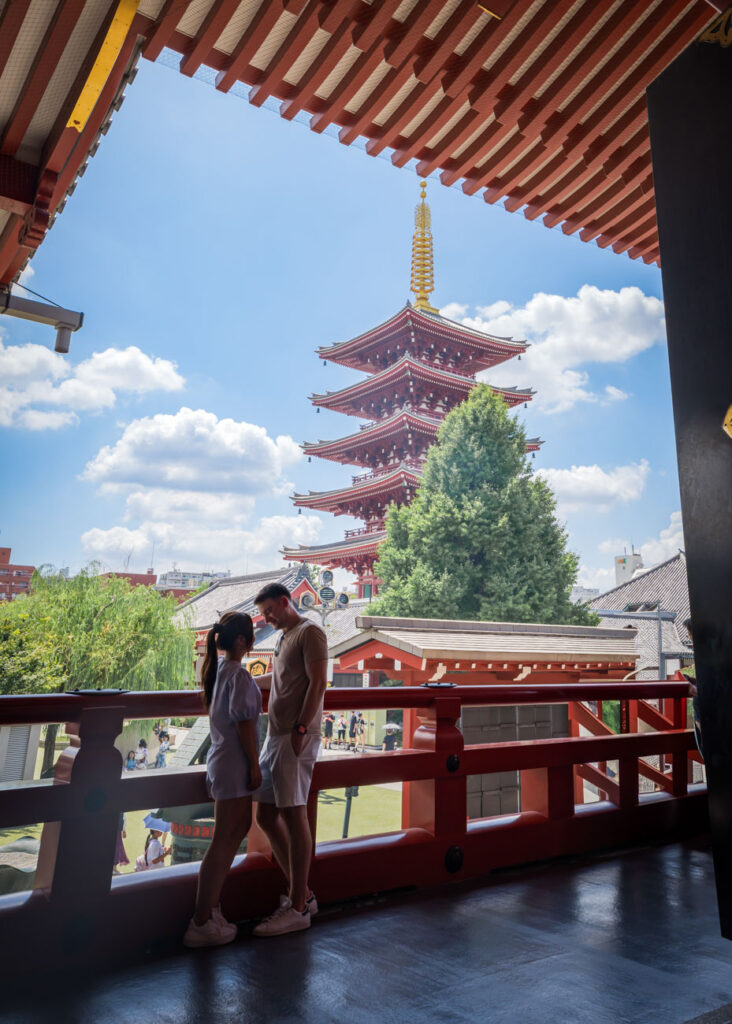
[78,912]
[363,531]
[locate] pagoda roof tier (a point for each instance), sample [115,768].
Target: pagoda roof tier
[427,336]
[409,382]
[355,553]
[361,498]
[533,444]
[405,434]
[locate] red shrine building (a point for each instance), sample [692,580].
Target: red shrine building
[419,365]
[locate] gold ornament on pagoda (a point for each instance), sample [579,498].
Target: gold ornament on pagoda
[423,263]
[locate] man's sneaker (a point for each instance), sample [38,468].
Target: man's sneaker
[214,932]
[311,903]
[285,919]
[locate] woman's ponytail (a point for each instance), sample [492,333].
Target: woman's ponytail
[210,662]
[222,637]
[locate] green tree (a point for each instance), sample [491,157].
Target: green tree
[480,540]
[91,632]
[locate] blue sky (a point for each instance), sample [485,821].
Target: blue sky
[212,247]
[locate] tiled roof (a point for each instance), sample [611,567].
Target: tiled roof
[665,582]
[646,640]
[236,593]
[445,639]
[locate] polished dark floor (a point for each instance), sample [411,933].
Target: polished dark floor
[630,938]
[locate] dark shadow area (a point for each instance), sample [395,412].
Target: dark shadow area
[628,938]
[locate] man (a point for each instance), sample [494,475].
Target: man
[352,731]
[297,685]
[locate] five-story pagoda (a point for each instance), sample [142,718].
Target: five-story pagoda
[419,365]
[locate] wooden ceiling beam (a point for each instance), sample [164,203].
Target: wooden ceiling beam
[294,43]
[381,97]
[373,25]
[38,78]
[165,25]
[556,172]
[256,32]
[335,110]
[610,225]
[644,234]
[455,82]
[17,185]
[575,209]
[513,98]
[488,86]
[439,50]
[329,57]
[11,22]
[389,134]
[406,36]
[210,31]
[615,191]
[536,114]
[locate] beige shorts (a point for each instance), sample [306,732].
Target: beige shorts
[286,778]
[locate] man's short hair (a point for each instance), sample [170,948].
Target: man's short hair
[271,592]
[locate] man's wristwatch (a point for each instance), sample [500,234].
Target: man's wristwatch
[301,729]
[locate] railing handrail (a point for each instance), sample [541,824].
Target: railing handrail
[31,709]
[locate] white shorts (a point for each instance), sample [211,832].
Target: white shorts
[286,778]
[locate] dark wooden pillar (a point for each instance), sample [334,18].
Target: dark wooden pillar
[689,115]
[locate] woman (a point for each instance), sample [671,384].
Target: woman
[233,702]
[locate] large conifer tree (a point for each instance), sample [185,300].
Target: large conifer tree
[481,539]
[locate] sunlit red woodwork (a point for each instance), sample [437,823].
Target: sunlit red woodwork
[420,365]
[436,845]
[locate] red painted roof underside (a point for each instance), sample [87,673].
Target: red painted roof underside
[543,109]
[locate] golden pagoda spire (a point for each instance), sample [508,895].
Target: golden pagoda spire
[423,266]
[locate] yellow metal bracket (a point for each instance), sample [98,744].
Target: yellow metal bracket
[108,53]
[727,423]
[720,31]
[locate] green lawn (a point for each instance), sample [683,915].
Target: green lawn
[374,810]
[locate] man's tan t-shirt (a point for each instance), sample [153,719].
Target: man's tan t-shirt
[299,648]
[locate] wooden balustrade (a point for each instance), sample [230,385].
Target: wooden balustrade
[79,912]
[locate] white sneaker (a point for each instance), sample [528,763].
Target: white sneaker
[214,932]
[311,903]
[285,919]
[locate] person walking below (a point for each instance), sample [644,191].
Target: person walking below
[342,725]
[352,731]
[328,721]
[297,686]
[234,703]
[360,733]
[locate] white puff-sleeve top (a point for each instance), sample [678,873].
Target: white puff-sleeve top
[236,698]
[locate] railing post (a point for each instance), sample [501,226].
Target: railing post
[439,805]
[628,781]
[549,791]
[81,848]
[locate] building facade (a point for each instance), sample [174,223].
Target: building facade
[14,579]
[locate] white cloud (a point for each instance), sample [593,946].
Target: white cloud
[193,450]
[655,549]
[190,481]
[43,390]
[668,543]
[583,487]
[201,543]
[27,274]
[601,579]
[567,334]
